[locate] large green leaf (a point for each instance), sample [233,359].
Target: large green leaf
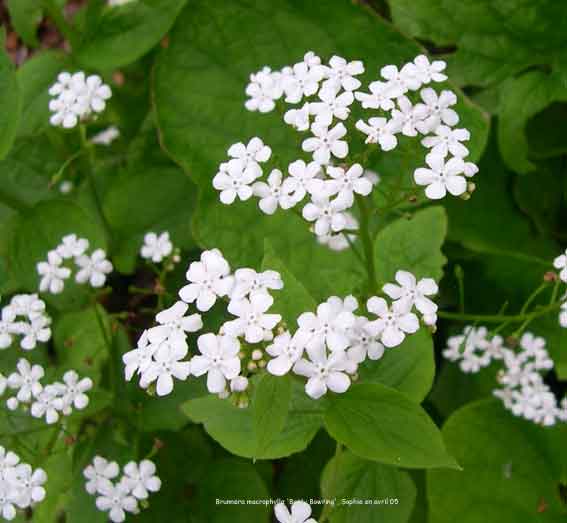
[412,245]
[25,16]
[381,424]
[512,469]
[40,230]
[35,76]
[10,99]
[123,34]
[236,429]
[366,491]
[158,199]
[409,368]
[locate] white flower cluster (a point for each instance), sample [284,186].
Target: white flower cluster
[47,401]
[92,268]
[329,345]
[118,496]
[159,356]
[156,247]
[522,390]
[331,188]
[20,485]
[24,316]
[76,97]
[300,513]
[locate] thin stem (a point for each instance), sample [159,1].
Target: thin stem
[499,318]
[367,243]
[533,296]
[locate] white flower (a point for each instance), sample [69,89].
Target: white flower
[27,305]
[427,72]
[393,322]
[66,186]
[438,110]
[248,281]
[94,268]
[26,380]
[7,327]
[138,359]
[408,116]
[300,513]
[301,178]
[411,292]
[8,460]
[264,88]
[399,82]
[116,500]
[327,215]
[311,59]
[156,247]
[97,93]
[324,371]
[141,478]
[47,404]
[326,142]
[8,497]
[560,263]
[52,274]
[174,324]
[303,81]
[441,177]
[379,130]
[167,365]
[28,484]
[219,360]
[379,97]
[37,330]
[99,473]
[238,384]
[253,322]
[106,137]
[470,169]
[251,155]
[285,351]
[341,73]
[273,193]
[72,247]
[298,118]
[446,141]
[209,279]
[345,184]
[333,104]
[329,325]
[340,241]
[362,343]
[233,180]
[73,394]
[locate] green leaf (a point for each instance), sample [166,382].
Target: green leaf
[409,368]
[379,423]
[412,245]
[25,16]
[511,469]
[123,34]
[80,341]
[366,491]
[10,99]
[159,199]
[293,299]
[35,76]
[522,98]
[270,409]
[40,230]
[60,479]
[235,428]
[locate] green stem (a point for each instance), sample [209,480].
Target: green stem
[533,296]
[499,318]
[367,243]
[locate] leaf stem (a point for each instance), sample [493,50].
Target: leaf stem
[367,243]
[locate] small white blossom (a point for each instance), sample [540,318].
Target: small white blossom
[344,184]
[47,405]
[26,380]
[253,322]
[393,322]
[408,116]
[156,247]
[400,81]
[340,73]
[333,104]
[218,359]
[326,142]
[447,140]
[560,263]
[273,194]
[412,293]
[379,130]
[138,359]
[238,384]
[362,344]
[427,71]
[141,478]
[298,118]
[72,247]
[93,268]
[303,81]
[173,324]
[73,392]
[438,110]
[52,274]
[251,155]
[379,97]
[285,351]
[263,90]
[233,180]
[38,330]
[209,278]
[248,281]
[327,215]
[300,513]
[100,473]
[300,181]
[116,500]
[441,177]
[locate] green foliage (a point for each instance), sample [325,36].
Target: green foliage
[10,99]
[26,16]
[381,424]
